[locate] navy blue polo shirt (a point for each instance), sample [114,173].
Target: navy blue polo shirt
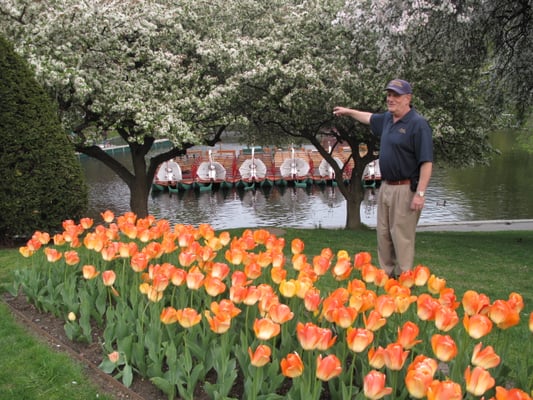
[404,145]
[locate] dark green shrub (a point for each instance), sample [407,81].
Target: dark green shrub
[42,183]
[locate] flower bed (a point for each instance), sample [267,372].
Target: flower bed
[179,304]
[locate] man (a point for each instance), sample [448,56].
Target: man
[406,163]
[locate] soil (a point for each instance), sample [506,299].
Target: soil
[50,329]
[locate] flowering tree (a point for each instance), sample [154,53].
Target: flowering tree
[186,72]
[147,73]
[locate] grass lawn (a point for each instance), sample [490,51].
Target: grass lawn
[494,263]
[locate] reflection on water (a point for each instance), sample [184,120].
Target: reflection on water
[498,191]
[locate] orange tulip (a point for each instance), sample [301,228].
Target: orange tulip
[407,278]
[359,339]
[385,305]
[345,316]
[321,264]
[71,257]
[328,367]
[168,315]
[195,278]
[313,337]
[407,335]
[477,325]
[214,286]
[503,315]
[531,322]
[368,273]
[261,355]
[178,276]
[447,390]
[108,277]
[219,270]
[312,299]
[342,269]
[403,301]
[395,356]
[425,364]
[516,302]
[444,347]
[478,380]
[188,317]
[435,285]
[41,237]
[421,275]
[86,223]
[266,329]
[292,365]
[52,255]
[427,307]
[114,357]
[278,259]
[376,357]
[374,385]
[139,262]
[297,246]
[511,394]
[235,255]
[108,216]
[361,259]
[280,313]
[59,239]
[253,270]
[25,251]
[381,278]
[485,358]
[219,323]
[224,306]
[374,321]
[417,383]
[475,303]
[89,272]
[448,298]
[445,318]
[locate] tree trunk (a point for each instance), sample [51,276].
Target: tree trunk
[353,207]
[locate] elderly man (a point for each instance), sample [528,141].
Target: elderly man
[406,163]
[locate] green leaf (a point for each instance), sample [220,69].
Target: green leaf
[165,386]
[127,377]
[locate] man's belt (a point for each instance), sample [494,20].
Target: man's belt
[400,182]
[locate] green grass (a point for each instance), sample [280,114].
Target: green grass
[32,371]
[494,263]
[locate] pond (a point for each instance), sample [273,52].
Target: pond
[500,190]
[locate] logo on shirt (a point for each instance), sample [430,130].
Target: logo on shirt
[402,131]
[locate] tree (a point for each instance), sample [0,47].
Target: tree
[146,73]
[306,64]
[273,68]
[42,182]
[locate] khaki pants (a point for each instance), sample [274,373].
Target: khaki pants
[396,228]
